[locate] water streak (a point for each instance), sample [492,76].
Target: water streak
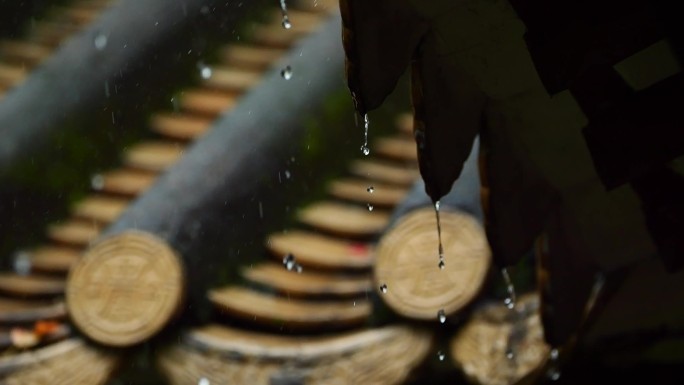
[440,247]
[511,297]
[286,19]
[364,149]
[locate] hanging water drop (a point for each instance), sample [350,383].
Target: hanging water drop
[441,264]
[441,315]
[370,207]
[370,189]
[286,73]
[441,355]
[510,299]
[383,288]
[100,41]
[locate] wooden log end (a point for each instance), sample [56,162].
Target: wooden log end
[499,346]
[407,272]
[125,289]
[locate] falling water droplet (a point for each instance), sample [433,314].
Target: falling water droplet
[441,264]
[205,72]
[203,381]
[289,261]
[22,263]
[299,268]
[100,41]
[553,373]
[441,316]
[511,297]
[441,355]
[383,288]
[509,354]
[364,149]
[370,207]
[286,73]
[97,182]
[370,189]
[286,20]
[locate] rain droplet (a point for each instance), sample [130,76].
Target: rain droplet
[441,355]
[97,182]
[370,189]
[442,316]
[509,301]
[286,73]
[289,261]
[553,373]
[383,288]
[441,264]
[22,263]
[286,20]
[509,354]
[370,207]
[100,41]
[203,381]
[205,71]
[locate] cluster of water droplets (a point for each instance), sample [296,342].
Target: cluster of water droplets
[286,72]
[291,264]
[553,373]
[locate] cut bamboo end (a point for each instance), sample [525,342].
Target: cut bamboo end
[153,156]
[125,289]
[399,148]
[13,311]
[54,259]
[123,182]
[232,79]
[74,232]
[499,346]
[100,208]
[22,53]
[226,355]
[178,126]
[307,283]
[404,123]
[31,285]
[206,103]
[251,57]
[316,250]
[343,219]
[63,363]
[407,264]
[294,314]
[362,191]
[385,172]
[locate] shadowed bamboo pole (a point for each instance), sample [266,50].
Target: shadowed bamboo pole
[204,199]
